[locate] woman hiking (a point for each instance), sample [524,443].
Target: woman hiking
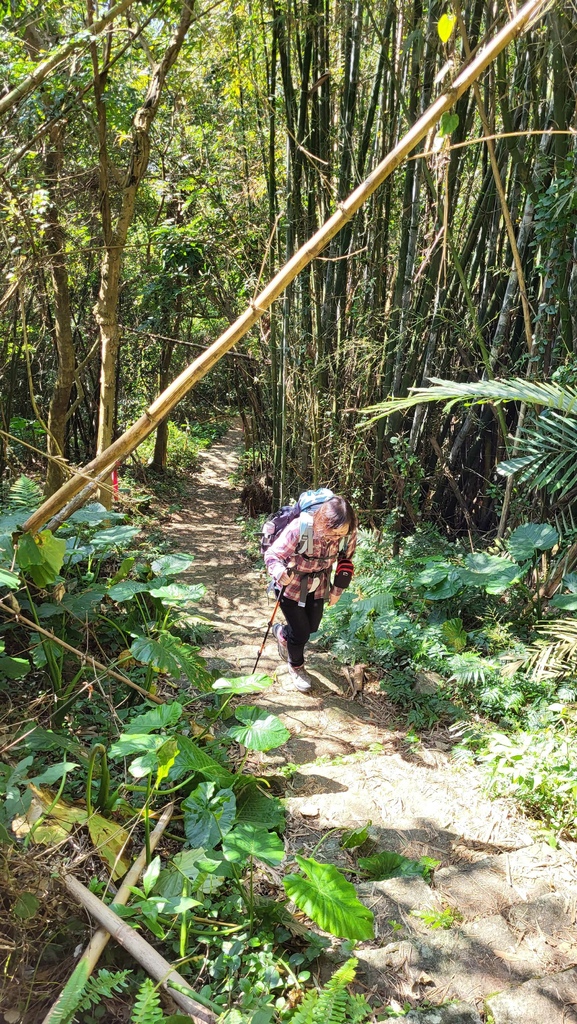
[305,577]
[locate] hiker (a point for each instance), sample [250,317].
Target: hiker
[306,577]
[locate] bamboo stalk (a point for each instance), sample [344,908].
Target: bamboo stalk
[42,70]
[95,947]
[148,957]
[162,406]
[79,654]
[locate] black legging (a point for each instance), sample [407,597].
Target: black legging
[301,622]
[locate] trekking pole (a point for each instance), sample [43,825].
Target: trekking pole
[270,622]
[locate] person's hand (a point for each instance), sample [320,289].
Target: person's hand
[333,598]
[284,579]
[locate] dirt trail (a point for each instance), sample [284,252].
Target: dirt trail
[512,950]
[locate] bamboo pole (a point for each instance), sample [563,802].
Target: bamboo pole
[75,43]
[95,947]
[154,964]
[162,406]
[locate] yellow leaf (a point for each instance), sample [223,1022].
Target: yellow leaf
[110,840]
[445,27]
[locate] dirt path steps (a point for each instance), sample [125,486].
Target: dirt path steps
[511,953]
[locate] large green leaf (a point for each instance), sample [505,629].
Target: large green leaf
[84,603]
[242,684]
[94,514]
[329,900]
[256,808]
[9,579]
[193,759]
[159,717]
[116,536]
[183,866]
[531,537]
[170,655]
[259,730]
[170,565]
[135,743]
[178,595]
[568,602]
[246,841]
[393,865]
[12,668]
[209,814]
[41,557]
[126,589]
[490,572]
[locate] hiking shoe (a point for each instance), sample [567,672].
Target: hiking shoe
[280,640]
[299,678]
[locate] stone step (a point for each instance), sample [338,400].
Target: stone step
[547,1000]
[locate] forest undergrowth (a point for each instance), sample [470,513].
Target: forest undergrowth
[90,759]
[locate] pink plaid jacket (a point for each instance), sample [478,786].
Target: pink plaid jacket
[282,555]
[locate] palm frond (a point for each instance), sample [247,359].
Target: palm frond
[517,389]
[547,455]
[554,654]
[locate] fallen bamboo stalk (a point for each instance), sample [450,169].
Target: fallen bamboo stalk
[161,407]
[99,940]
[79,654]
[148,957]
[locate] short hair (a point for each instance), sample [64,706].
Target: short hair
[334,513]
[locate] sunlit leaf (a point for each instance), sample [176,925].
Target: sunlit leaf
[445,27]
[259,730]
[169,565]
[329,900]
[242,684]
[246,841]
[208,815]
[159,717]
[530,538]
[178,595]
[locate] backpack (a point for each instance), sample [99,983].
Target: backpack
[303,509]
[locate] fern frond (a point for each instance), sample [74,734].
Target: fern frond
[359,1009]
[305,1014]
[147,1009]
[24,493]
[103,985]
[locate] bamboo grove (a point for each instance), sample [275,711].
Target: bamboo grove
[179,156]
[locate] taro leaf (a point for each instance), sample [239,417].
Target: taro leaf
[393,865]
[530,538]
[329,900]
[13,668]
[54,773]
[191,759]
[9,579]
[123,570]
[125,590]
[178,595]
[41,557]
[259,730]
[351,838]
[258,809]
[117,536]
[208,814]
[83,603]
[247,841]
[158,717]
[444,587]
[135,743]
[570,582]
[242,684]
[94,514]
[150,876]
[143,765]
[169,565]
[454,635]
[432,575]
[166,755]
[170,655]
[490,572]
[183,866]
[566,601]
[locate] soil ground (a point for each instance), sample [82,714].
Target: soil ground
[511,953]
